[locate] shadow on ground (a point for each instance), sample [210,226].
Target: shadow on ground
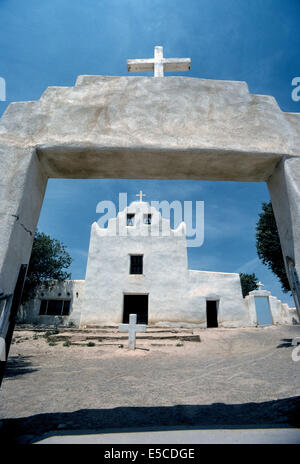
[18,365]
[278,413]
[287,343]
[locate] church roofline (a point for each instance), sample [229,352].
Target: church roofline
[213,272]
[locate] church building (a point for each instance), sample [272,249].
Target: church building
[138,265]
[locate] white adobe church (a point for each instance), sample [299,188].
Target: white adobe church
[139,265]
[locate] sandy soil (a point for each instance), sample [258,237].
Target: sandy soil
[233,377]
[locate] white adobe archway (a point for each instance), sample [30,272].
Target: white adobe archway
[144,127]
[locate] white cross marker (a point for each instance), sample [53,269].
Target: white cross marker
[141,195]
[159,64]
[132,328]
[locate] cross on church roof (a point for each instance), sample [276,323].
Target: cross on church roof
[159,64]
[141,195]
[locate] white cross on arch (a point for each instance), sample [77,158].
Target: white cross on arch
[159,64]
[132,328]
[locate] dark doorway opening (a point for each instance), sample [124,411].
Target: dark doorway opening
[136,304]
[212,313]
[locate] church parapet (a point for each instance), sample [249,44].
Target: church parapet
[144,219]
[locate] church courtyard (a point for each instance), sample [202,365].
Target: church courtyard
[66,380]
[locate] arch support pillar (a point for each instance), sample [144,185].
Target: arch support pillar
[284,188]
[22,187]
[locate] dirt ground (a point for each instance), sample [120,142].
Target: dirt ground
[233,377]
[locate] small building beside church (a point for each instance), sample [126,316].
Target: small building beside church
[138,265]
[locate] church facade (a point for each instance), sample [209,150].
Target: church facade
[138,265]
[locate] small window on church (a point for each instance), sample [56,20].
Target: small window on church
[136,264]
[55,307]
[130,218]
[147,218]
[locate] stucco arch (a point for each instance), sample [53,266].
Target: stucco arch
[141,127]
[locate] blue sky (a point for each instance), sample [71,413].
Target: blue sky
[51,42]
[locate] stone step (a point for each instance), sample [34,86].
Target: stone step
[150,329]
[111,336]
[123,337]
[123,342]
[98,330]
[100,333]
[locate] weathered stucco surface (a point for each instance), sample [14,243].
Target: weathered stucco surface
[104,119]
[141,127]
[72,290]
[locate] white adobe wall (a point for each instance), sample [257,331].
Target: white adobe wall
[29,313]
[165,275]
[177,296]
[223,287]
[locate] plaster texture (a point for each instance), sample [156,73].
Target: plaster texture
[141,127]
